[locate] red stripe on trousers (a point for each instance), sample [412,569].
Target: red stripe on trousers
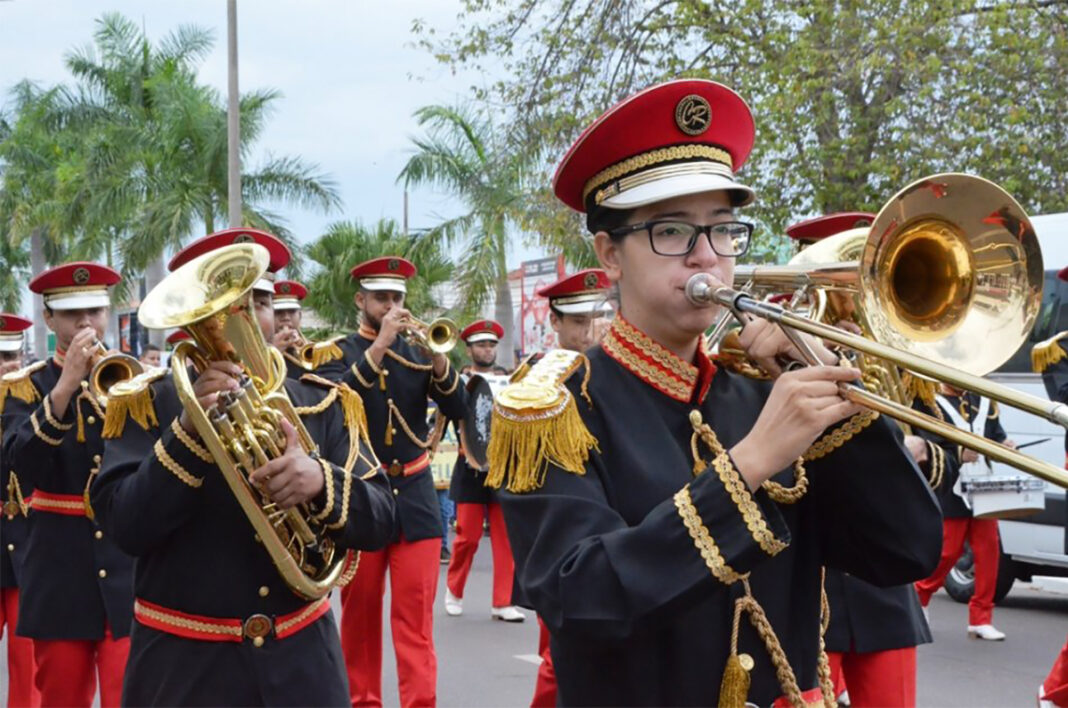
[413,581]
[875,679]
[469,520]
[982,535]
[545,685]
[21,693]
[67,670]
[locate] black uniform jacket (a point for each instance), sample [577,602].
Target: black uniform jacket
[395,398]
[468,485]
[74,581]
[953,507]
[294,368]
[197,553]
[867,618]
[611,562]
[14,525]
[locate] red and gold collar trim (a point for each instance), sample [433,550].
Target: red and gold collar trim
[367,332]
[60,356]
[657,366]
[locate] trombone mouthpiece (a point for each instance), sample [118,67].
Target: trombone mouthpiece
[700,289]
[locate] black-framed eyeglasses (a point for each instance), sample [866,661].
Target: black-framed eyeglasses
[677,238]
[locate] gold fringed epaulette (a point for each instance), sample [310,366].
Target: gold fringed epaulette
[325,352]
[1046,354]
[536,423]
[20,385]
[351,403]
[131,399]
[921,388]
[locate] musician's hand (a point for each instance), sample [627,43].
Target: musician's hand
[220,376]
[766,343]
[1011,444]
[393,323]
[917,447]
[968,455]
[6,367]
[801,406]
[293,478]
[286,338]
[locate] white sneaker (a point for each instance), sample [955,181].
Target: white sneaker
[1042,702]
[985,631]
[843,698]
[454,606]
[510,613]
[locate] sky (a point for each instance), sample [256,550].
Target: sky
[348,71]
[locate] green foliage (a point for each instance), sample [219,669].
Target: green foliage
[348,243]
[852,100]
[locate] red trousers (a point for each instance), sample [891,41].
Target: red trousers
[982,534]
[20,689]
[67,670]
[469,519]
[878,679]
[413,582]
[545,686]
[1055,687]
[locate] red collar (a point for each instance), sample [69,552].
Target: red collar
[367,332]
[656,365]
[60,356]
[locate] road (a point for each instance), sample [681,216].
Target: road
[482,662]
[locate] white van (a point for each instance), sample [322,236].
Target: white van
[1036,545]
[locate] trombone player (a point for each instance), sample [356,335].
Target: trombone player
[76,584]
[394,377]
[216,621]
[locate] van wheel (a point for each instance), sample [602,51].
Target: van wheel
[960,582]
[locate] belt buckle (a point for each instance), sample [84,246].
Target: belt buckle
[395,469]
[257,627]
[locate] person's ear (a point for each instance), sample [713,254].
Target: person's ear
[609,254]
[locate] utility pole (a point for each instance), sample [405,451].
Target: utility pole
[233,122]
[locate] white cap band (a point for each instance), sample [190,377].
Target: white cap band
[398,285]
[77,299]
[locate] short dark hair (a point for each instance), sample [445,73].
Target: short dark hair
[600,218]
[150,348]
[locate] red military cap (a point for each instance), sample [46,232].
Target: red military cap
[278,252]
[177,336]
[385,273]
[676,138]
[482,331]
[288,294]
[812,230]
[11,329]
[583,293]
[75,286]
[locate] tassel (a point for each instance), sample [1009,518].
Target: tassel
[919,387]
[136,404]
[355,415]
[382,380]
[521,448]
[89,513]
[1046,354]
[81,418]
[324,352]
[389,427]
[734,687]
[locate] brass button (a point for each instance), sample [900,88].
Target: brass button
[257,627]
[91,420]
[396,492]
[746,661]
[96,458]
[264,591]
[103,573]
[10,547]
[98,534]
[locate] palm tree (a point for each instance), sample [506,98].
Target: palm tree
[462,155]
[346,243]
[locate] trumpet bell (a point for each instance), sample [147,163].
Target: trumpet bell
[952,271]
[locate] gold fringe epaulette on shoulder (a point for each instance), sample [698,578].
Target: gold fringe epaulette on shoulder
[20,385]
[351,403]
[1046,354]
[918,387]
[131,399]
[536,423]
[326,351]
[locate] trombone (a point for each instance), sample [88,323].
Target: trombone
[948,283]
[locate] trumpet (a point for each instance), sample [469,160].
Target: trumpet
[438,337]
[110,369]
[949,262]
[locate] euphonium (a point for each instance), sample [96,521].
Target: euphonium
[211,299]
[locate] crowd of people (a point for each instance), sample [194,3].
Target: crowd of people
[687,530]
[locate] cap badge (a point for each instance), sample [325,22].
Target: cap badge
[81,276]
[284,287]
[393,264]
[860,223]
[693,115]
[487,325]
[590,281]
[244,238]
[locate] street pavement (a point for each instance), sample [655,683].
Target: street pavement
[482,662]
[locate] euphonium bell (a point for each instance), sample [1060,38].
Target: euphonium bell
[210,297]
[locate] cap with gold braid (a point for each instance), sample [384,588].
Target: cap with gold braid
[582,293]
[75,286]
[288,295]
[812,230]
[676,138]
[11,331]
[386,273]
[482,331]
[278,253]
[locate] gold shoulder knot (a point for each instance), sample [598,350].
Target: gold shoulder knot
[1046,354]
[351,403]
[325,352]
[20,385]
[536,423]
[131,399]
